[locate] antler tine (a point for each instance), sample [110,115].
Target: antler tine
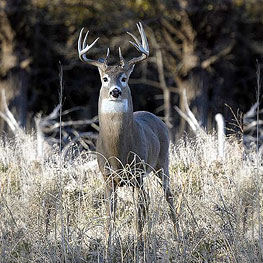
[84,48]
[79,42]
[136,40]
[107,57]
[122,61]
[144,39]
[85,39]
[141,47]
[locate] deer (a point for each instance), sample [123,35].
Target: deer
[139,139]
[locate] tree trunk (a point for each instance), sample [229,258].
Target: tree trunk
[14,56]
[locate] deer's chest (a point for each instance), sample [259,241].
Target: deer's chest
[114,141]
[114,106]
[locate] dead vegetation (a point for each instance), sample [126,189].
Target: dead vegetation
[53,210]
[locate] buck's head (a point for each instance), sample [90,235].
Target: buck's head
[114,82]
[115,78]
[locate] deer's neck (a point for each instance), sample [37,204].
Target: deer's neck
[116,129]
[115,118]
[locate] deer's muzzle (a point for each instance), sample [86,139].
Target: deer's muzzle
[116,93]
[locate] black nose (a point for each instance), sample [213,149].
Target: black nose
[115,93]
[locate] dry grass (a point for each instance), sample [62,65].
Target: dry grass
[53,211]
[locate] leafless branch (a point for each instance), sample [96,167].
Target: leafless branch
[172,29]
[252,125]
[9,118]
[151,83]
[211,60]
[173,46]
[162,81]
[251,113]
[69,123]
[79,137]
[49,123]
[189,116]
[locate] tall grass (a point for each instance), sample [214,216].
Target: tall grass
[219,204]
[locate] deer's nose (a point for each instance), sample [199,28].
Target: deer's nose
[115,93]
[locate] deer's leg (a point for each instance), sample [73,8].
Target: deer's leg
[164,176]
[111,202]
[141,212]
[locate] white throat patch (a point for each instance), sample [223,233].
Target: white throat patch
[114,106]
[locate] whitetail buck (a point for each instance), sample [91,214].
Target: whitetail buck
[126,138]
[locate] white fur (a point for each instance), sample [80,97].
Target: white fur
[114,106]
[124,84]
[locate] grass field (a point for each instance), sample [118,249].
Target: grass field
[53,210]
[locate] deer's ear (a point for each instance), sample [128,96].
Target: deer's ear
[130,70]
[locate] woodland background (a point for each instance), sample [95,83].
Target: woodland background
[52,206]
[210,48]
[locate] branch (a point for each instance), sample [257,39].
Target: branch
[211,60]
[173,29]
[251,113]
[252,125]
[166,91]
[151,83]
[48,123]
[69,123]
[189,117]
[8,116]
[171,43]
[79,137]
[184,116]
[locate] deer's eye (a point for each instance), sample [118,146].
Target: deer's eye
[105,79]
[123,79]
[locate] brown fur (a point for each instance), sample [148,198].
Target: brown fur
[127,139]
[121,136]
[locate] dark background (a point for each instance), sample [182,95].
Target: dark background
[210,48]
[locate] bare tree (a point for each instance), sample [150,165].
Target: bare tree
[188,61]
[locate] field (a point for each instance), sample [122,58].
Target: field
[53,210]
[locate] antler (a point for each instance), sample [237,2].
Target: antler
[84,48]
[141,47]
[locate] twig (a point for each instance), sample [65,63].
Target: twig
[60,105]
[61,124]
[64,253]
